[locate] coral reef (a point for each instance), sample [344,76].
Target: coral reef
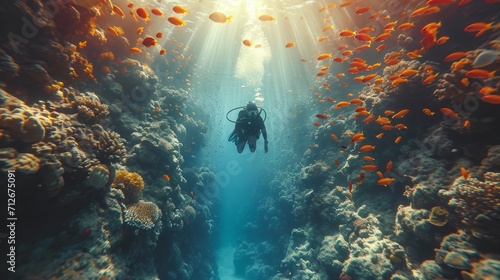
[142,214]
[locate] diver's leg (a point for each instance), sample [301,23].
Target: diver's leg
[241,144]
[252,143]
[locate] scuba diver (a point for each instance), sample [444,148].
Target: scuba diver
[248,127]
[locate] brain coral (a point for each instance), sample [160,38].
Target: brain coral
[143,215]
[130,183]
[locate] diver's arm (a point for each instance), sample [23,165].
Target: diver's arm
[263,129]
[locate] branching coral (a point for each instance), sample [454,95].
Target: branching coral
[110,148]
[130,183]
[90,109]
[143,214]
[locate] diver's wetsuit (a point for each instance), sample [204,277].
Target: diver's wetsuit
[248,129]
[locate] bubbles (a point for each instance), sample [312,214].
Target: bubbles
[251,60]
[258,99]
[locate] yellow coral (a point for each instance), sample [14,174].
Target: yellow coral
[131,183]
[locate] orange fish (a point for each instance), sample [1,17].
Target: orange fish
[408,72]
[480,27]
[357,137]
[324,56]
[347,33]
[465,173]
[157,12]
[362,10]
[429,79]
[341,104]
[326,28]
[220,17]
[398,81]
[82,44]
[487,90]
[492,99]
[130,5]
[176,21]
[368,119]
[316,124]
[467,124]
[455,56]
[387,127]
[337,163]
[388,166]
[428,41]
[385,181]
[330,99]
[382,121]
[380,47]
[333,136]
[180,10]
[463,2]
[430,28]
[442,40]
[118,11]
[449,112]
[405,25]
[398,139]
[289,44]
[400,126]
[142,13]
[428,112]
[149,42]
[369,167]
[392,61]
[349,186]
[355,101]
[368,158]
[159,35]
[166,177]
[135,50]
[380,175]
[480,74]
[378,136]
[345,4]
[401,113]
[139,30]
[322,116]
[366,148]
[363,37]
[266,17]
[247,43]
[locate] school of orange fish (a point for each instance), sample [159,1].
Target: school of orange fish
[358,66]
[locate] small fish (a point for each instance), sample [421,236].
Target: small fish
[380,175]
[442,40]
[347,33]
[405,26]
[362,10]
[428,112]
[82,44]
[337,163]
[467,124]
[429,79]
[455,56]
[385,181]
[157,12]
[176,21]
[322,116]
[141,12]
[324,56]
[139,30]
[492,99]
[166,177]
[369,167]
[449,112]
[388,166]
[479,27]
[247,43]
[316,123]
[289,44]
[180,10]
[118,11]
[378,136]
[366,148]
[401,113]
[219,17]
[349,186]
[333,136]
[398,139]
[267,17]
[135,50]
[159,35]
[480,74]
[149,42]
[465,173]
[368,158]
